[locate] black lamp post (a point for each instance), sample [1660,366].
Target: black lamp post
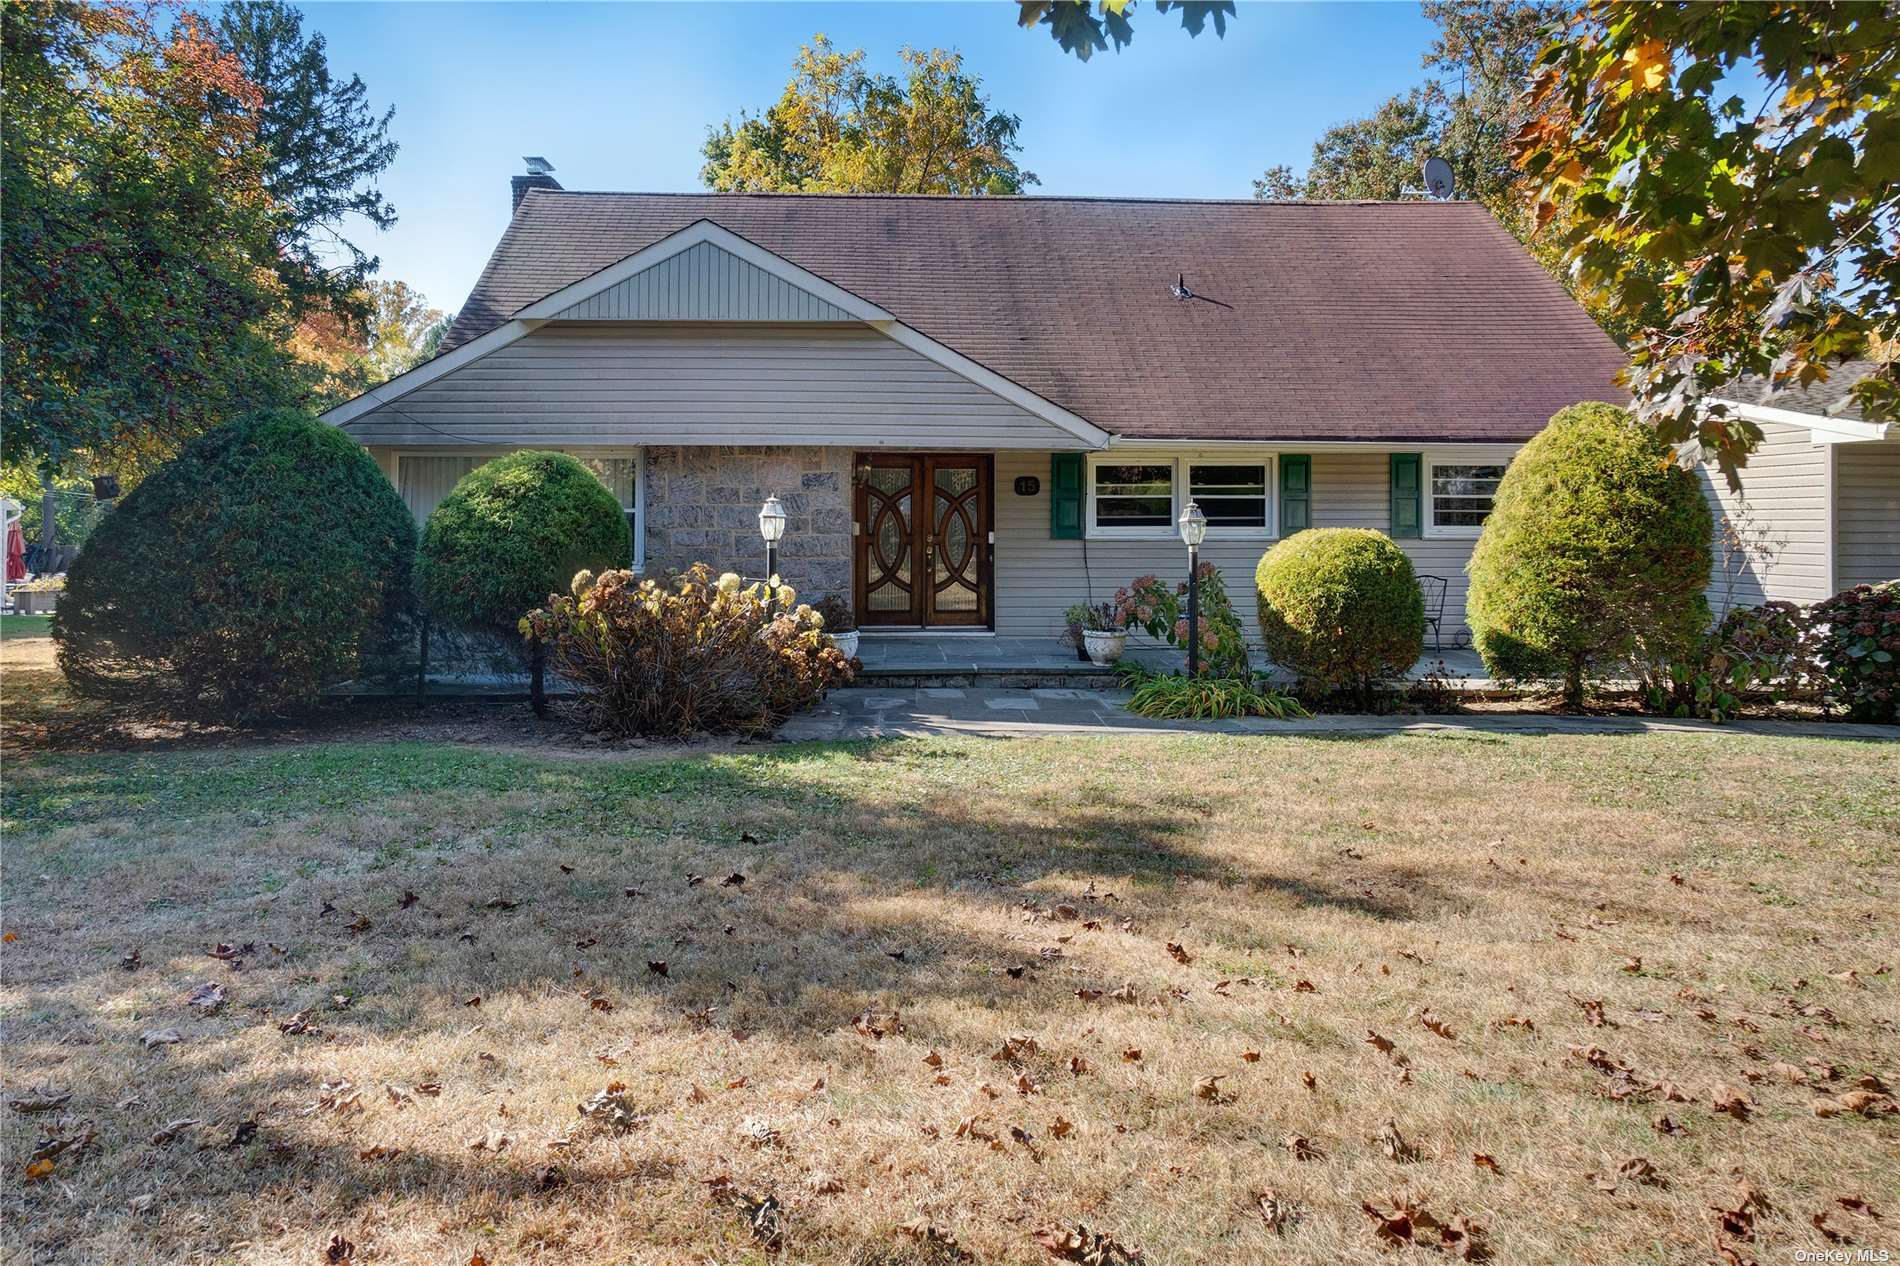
[1193,531]
[772,528]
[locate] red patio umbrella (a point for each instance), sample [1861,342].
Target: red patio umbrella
[16,554]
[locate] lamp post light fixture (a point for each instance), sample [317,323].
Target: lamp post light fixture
[1193,531]
[772,528]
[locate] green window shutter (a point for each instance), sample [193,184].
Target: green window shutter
[1065,496]
[1407,474]
[1296,493]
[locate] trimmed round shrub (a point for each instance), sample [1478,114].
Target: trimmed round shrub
[241,577]
[1340,607]
[1859,650]
[1596,554]
[511,533]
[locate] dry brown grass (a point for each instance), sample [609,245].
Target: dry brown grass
[1714,893]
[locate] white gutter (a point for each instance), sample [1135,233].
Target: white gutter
[1821,428]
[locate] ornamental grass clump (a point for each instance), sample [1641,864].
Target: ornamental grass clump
[1595,555]
[1341,608]
[687,655]
[242,577]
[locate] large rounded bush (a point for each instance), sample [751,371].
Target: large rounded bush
[1340,607]
[241,577]
[1596,551]
[1859,650]
[514,531]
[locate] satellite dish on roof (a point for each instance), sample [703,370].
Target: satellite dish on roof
[1438,178]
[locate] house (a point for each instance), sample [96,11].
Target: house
[978,411]
[1819,506]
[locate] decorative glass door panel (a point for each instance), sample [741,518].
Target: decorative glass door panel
[923,540]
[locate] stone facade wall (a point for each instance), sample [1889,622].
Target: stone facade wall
[702,506]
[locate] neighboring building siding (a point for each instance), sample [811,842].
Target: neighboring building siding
[704,283]
[845,386]
[1770,542]
[1037,578]
[1867,511]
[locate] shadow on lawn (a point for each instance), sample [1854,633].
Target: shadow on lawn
[851,900]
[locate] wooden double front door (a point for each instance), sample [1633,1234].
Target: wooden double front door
[922,540]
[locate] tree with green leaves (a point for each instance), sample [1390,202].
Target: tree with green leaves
[325,147]
[403,330]
[139,305]
[1736,165]
[838,128]
[1084,28]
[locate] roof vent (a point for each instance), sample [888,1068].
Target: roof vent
[537,178]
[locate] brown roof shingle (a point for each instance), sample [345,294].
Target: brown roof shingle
[1336,321]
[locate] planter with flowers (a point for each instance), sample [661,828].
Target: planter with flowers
[1104,634]
[841,625]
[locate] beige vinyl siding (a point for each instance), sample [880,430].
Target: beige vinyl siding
[1783,505]
[704,283]
[844,386]
[1037,578]
[1867,511]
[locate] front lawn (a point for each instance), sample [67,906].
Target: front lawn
[1215,998]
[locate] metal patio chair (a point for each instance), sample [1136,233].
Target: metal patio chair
[1433,588]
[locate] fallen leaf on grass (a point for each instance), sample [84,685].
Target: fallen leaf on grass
[1737,1218]
[1866,1103]
[609,1107]
[1665,1124]
[1016,1049]
[877,1024]
[1483,1161]
[1727,1099]
[1400,1222]
[1132,1055]
[492,1141]
[824,1185]
[155,1038]
[1250,1057]
[339,1249]
[940,1243]
[380,1151]
[1302,1148]
[1310,1082]
[1393,1144]
[1208,1087]
[131,960]
[36,1170]
[172,1129]
[1178,953]
[1082,1245]
[1437,1026]
[41,1100]
[1061,1128]
[1858,1204]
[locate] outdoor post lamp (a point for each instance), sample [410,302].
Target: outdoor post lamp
[772,528]
[1194,531]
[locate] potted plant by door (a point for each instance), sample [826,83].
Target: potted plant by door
[840,624]
[1104,635]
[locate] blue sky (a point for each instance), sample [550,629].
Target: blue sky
[619,96]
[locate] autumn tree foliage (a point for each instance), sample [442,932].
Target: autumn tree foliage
[136,313]
[1087,27]
[1737,167]
[838,128]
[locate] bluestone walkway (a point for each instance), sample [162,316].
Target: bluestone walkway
[872,712]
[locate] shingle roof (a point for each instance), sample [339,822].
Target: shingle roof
[1824,398]
[1344,321]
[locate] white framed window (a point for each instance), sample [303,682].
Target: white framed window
[1139,496]
[424,478]
[1460,489]
[1132,497]
[1232,494]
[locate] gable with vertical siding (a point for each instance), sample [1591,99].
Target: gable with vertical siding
[704,283]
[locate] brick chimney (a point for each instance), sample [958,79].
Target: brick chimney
[538,177]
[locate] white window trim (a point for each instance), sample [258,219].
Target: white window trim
[487,452]
[1179,462]
[1477,455]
